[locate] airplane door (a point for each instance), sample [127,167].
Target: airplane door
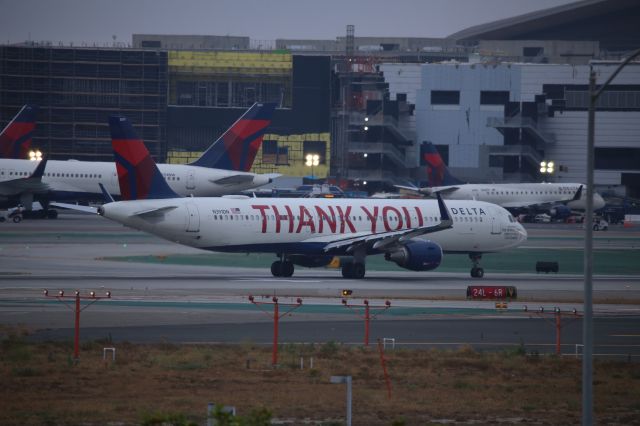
[496,227]
[475,194]
[191,180]
[193,218]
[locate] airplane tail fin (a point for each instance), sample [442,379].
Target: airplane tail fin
[138,175]
[15,139]
[437,172]
[237,147]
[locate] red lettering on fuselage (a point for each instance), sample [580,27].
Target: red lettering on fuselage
[345,219]
[372,217]
[291,217]
[277,213]
[407,217]
[393,218]
[304,221]
[419,213]
[385,218]
[263,212]
[322,216]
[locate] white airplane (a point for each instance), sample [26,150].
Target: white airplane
[79,180]
[311,231]
[553,196]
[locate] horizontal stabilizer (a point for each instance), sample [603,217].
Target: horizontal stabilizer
[76,207]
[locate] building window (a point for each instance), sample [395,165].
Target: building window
[274,154]
[617,158]
[494,97]
[315,147]
[445,97]
[532,51]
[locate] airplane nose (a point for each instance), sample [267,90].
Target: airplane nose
[598,201]
[522,234]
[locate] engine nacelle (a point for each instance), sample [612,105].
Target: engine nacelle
[417,255]
[560,211]
[310,261]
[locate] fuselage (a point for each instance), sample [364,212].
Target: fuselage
[522,194]
[306,226]
[78,180]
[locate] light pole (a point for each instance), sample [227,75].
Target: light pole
[312,160]
[587,328]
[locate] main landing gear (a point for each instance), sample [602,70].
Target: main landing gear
[354,270]
[282,268]
[476,270]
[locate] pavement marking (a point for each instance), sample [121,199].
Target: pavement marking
[624,335]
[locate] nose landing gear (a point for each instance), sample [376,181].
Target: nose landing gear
[476,270]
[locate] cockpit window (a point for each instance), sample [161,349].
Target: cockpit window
[511,219]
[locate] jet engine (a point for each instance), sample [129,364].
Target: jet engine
[417,255]
[559,211]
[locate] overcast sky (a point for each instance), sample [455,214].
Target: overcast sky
[98,20]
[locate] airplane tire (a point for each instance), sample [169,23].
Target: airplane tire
[287,269]
[358,271]
[477,272]
[347,270]
[276,268]
[52,214]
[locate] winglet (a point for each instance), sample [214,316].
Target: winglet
[107,197]
[15,139]
[138,175]
[237,147]
[39,171]
[445,216]
[578,194]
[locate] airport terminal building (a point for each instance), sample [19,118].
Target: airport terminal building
[496,99]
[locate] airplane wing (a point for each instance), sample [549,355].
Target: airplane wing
[384,240]
[76,207]
[233,179]
[428,190]
[32,183]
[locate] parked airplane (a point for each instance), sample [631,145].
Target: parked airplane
[20,188]
[311,231]
[15,139]
[78,180]
[508,195]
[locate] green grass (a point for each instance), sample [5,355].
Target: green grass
[610,262]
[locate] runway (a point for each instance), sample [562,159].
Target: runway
[188,304]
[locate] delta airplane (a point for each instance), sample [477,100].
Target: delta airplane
[79,180]
[309,232]
[15,139]
[508,195]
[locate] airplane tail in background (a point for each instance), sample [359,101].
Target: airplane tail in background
[15,139]
[237,147]
[138,175]
[437,172]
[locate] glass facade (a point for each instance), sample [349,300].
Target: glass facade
[77,89]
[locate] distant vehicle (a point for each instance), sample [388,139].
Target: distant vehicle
[542,218]
[600,225]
